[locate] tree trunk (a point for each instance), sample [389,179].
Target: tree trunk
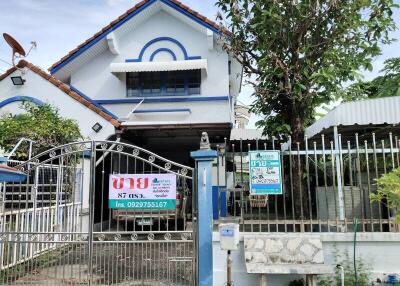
[300,194]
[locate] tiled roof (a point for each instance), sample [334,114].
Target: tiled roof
[129,12]
[7,73]
[66,89]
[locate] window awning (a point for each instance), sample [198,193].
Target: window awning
[158,66]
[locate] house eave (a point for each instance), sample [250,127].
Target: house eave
[128,15]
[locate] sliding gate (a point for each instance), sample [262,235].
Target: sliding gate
[57,228]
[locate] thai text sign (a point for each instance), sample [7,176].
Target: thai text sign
[265,172]
[142,191]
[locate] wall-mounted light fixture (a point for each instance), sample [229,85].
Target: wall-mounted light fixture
[17,80]
[97,127]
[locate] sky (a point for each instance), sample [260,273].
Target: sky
[58,26]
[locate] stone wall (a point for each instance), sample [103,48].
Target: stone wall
[284,254]
[281,249]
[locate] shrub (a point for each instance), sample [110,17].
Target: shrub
[363,273]
[42,124]
[389,191]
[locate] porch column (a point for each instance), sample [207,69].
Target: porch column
[203,171]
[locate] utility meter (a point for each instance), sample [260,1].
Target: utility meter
[229,236]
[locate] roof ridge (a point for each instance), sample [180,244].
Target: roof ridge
[86,101]
[125,15]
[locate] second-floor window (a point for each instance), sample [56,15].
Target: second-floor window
[163,83]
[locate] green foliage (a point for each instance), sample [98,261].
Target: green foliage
[387,84]
[389,190]
[300,52]
[363,273]
[42,124]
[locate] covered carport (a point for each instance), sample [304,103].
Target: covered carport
[354,124]
[380,116]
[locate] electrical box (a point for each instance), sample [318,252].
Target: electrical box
[229,236]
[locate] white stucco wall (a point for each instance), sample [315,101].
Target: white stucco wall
[200,112]
[380,251]
[39,88]
[95,79]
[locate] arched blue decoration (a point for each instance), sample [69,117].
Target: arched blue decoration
[20,98]
[102,35]
[169,51]
[160,39]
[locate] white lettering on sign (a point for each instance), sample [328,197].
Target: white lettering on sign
[143,191]
[265,172]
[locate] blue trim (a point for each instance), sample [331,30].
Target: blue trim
[223,203]
[156,100]
[161,39]
[215,200]
[219,201]
[94,102]
[185,12]
[120,23]
[169,51]
[204,154]
[10,178]
[21,98]
[101,36]
[11,175]
[163,110]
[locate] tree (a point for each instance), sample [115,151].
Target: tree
[387,84]
[301,51]
[389,191]
[41,124]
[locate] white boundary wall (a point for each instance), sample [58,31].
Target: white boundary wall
[381,251]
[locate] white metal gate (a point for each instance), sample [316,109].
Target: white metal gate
[56,228]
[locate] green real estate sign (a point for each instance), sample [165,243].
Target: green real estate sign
[142,191]
[265,172]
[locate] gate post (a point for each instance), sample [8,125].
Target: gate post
[203,172]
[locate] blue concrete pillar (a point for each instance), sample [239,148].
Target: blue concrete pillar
[204,159]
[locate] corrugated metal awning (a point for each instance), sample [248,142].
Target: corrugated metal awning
[158,66]
[364,112]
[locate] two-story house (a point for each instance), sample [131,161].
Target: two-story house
[160,68]
[156,77]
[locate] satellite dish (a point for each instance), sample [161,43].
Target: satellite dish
[17,50]
[16,47]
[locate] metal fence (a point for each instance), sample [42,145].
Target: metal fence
[28,208]
[326,185]
[24,221]
[57,227]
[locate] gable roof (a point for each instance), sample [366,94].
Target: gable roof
[180,7]
[69,90]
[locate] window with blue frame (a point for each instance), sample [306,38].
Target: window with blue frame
[163,83]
